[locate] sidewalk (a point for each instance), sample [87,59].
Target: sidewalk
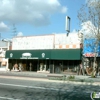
[43,77]
[24,73]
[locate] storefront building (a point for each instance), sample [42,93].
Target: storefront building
[91,53]
[53,53]
[43,60]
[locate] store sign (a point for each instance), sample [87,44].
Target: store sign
[28,56]
[90,49]
[33,42]
[89,54]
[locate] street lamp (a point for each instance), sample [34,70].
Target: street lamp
[67,25]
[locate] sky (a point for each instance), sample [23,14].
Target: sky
[37,17]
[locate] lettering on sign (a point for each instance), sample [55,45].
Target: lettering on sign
[89,55]
[29,58]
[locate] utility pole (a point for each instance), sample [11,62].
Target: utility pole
[14,31]
[0,36]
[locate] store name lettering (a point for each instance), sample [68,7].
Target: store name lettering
[29,58]
[89,55]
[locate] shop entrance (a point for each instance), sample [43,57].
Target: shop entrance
[32,65]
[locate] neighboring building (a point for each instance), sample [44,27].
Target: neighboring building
[55,52]
[4,46]
[91,51]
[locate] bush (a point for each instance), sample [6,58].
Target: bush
[93,75]
[71,77]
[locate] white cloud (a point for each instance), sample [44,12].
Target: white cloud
[64,10]
[36,12]
[3,27]
[88,29]
[74,31]
[20,34]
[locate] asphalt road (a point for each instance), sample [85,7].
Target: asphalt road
[19,89]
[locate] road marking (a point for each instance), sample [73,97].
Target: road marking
[44,88]
[8,98]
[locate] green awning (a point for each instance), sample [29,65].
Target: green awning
[28,54]
[66,54]
[58,54]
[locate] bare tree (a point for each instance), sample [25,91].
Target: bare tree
[89,15]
